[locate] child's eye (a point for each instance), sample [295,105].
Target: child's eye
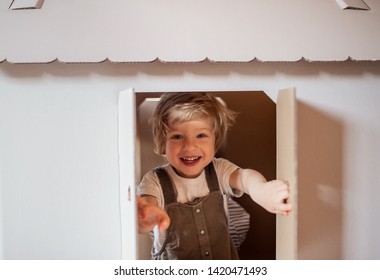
[202,135]
[176,137]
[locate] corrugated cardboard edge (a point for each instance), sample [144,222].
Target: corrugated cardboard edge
[286,118]
[127,173]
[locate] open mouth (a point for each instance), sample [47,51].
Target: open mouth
[190,160]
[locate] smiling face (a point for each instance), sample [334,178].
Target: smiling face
[190,146]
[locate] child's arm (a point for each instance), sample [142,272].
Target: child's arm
[149,215]
[270,195]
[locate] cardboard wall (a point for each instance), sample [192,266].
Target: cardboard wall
[1,221]
[59,163]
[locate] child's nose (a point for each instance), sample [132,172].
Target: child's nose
[189,144]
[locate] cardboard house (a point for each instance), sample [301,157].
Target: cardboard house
[71,77]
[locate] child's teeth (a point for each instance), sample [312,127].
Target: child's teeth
[190,159]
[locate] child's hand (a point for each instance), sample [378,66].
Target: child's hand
[273,197]
[150,215]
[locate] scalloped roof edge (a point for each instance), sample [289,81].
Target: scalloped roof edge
[302,59]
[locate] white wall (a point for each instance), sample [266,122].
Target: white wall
[1,220]
[60,194]
[59,163]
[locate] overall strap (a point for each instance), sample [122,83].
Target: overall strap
[166,185]
[212,178]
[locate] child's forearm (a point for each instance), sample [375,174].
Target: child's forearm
[270,195]
[250,180]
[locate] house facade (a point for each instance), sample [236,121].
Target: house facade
[62,69]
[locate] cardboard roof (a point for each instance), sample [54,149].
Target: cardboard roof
[91,31]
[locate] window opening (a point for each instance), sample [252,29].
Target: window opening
[353,5]
[26,4]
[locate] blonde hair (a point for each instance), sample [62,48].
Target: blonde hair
[186,106]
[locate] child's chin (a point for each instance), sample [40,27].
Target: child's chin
[190,175]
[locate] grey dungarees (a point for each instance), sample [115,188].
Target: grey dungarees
[198,229]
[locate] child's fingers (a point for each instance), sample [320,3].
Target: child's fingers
[164,222]
[284,207]
[150,216]
[158,217]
